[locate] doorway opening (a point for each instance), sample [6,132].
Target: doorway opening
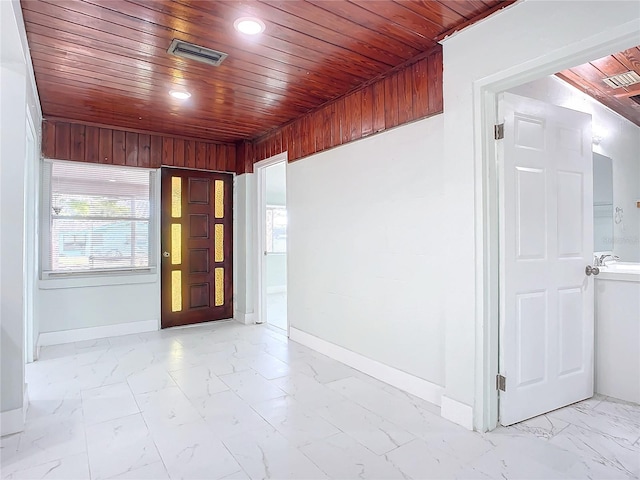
[546,229]
[272,241]
[490,258]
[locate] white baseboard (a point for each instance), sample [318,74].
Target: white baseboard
[409,383]
[12,421]
[93,333]
[457,412]
[245,318]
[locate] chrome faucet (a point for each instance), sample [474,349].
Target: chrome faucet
[601,261]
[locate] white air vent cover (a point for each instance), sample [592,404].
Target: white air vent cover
[622,80]
[180,48]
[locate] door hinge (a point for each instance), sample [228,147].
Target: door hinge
[501,383]
[498,131]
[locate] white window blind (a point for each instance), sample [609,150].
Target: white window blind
[99,218]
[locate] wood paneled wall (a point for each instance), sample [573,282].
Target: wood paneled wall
[405,95]
[86,143]
[408,94]
[244,157]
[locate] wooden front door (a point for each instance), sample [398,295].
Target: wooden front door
[197,241]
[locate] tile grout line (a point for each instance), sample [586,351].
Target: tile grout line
[135,399]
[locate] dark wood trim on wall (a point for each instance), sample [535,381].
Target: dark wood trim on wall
[406,95]
[88,143]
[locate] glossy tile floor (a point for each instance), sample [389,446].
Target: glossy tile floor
[233,401]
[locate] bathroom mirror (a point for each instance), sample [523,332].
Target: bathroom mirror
[602,203]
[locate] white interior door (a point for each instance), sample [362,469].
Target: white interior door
[546,205]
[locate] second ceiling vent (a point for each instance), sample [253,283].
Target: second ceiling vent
[622,80]
[184,49]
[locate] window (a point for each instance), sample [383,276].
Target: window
[96,218]
[276,223]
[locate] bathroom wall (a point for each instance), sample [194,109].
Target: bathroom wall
[617,334]
[614,137]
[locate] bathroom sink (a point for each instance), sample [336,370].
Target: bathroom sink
[622,267]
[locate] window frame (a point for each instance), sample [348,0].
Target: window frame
[271,251]
[98,276]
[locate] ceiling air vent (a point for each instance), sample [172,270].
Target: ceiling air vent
[635,98]
[622,80]
[196,52]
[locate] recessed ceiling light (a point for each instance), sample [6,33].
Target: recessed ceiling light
[249,25]
[179,94]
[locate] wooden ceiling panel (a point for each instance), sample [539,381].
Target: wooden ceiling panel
[589,77]
[106,61]
[470,9]
[435,12]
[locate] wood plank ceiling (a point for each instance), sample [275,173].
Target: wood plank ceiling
[588,78]
[106,61]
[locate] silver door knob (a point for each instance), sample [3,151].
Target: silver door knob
[165,254]
[589,270]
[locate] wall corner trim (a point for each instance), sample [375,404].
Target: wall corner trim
[13,421]
[94,333]
[457,412]
[409,383]
[244,318]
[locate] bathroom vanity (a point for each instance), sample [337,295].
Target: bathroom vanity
[617,334]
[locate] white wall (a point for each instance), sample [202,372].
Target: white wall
[76,307]
[619,140]
[385,234]
[512,43]
[245,246]
[366,228]
[12,190]
[17,97]
[99,301]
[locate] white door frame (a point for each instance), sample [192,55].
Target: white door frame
[260,170]
[485,116]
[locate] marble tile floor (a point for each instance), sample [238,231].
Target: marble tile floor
[228,401]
